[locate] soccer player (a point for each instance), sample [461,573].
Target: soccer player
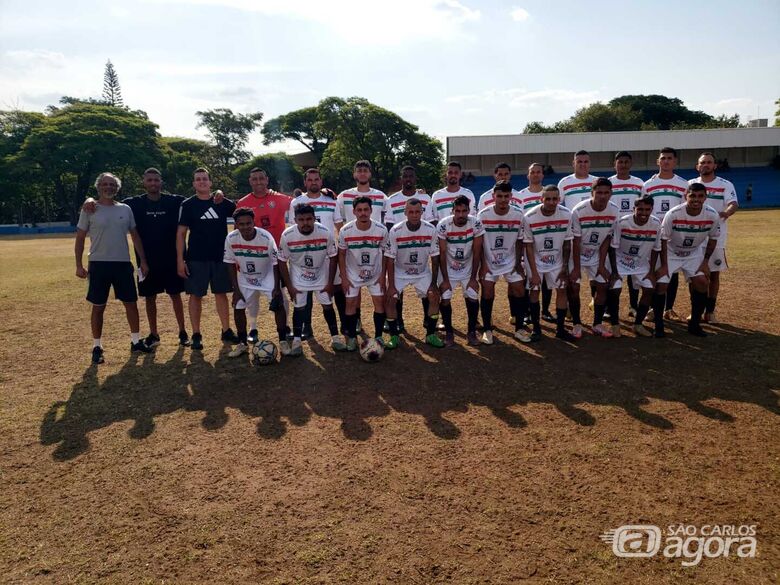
[667,190]
[413,246]
[591,225]
[503,257]
[576,187]
[639,248]
[686,228]
[361,244]
[625,190]
[460,250]
[253,253]
[547,237]
[501,172]
[109,261]
[722,197]
[530,197]
[345,202]
[441,200]
[307,263]
[200,258]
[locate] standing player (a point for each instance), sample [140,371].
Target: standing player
[503,257]
[460,250]
[200,259]
[667,190]
[722,197]
[591,225]
[441,200]
[686,228]
[412,247]
[345,202]
[530,197]
[576,187]
[109,261]
[252,251]
[547,236]
[501,172]
[308,260]
[361,244]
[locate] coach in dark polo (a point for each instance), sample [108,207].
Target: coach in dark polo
[199,259]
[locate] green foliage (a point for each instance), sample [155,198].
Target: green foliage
[180,157]
[777,113]
[283,174]
[230,133]
[112,93]
[20,190]
[301,126]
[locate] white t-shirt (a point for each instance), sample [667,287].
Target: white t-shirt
[346,198]
[592,227]
[411,250]
[364,250]
[625,192]
[308,256]
[686,235]
[634,244]
[254,258]
[529,199]
[487,199]
[396,204]
[459,243]
[324,210]
[501,235]
[548,233]
[666,193]
[720,193]
[441,203]
[573,190]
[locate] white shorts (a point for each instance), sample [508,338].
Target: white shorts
[251,300]
[637,280]
[718,260]
[468,292]
[420,284]
[374,289]
[323,298]
[510,277]
[550,278]
[689,266]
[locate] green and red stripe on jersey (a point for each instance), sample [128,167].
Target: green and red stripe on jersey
[462,237]
[549,226]
[313,245]
[597,221]
[421,241]
[249,251]
[639,235]
[718,192]
[692,226]
[577,188]
[502,225]
[666,190]
[376,199]
[355,242]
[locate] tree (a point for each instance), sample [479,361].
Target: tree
[229,132]
[777,113]
[112,93]
[21,197]
[283,174]
[301,126]
[181,156]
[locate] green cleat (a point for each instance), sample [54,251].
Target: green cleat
[393,342]
[434,340]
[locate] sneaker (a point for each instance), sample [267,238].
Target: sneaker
[513,320]
[616,331]
[229,337]
[140,347]
[522,335]
[351,344]
[433,340]
[197,341]
[697,331]
[296,349]
[337,343]
[602,330]
[632,312]
[449,339]
[710,318]
[549,317]
[642,331]
[536,336]
[239,350]
[97,355]
[284,347]
[471,338]
[487,338]
[393,342]
[151,341]
[184,339]
[671,315]
[252,337]
[566,336]
[576,331]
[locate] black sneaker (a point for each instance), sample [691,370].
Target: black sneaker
[549,317]
[184,339]
[97,355]
[566,336]
[229,337]
[152,341]
[140,346]
[252,337]
[197,341]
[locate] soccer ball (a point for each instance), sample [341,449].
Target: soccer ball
[371,350]
[265,352]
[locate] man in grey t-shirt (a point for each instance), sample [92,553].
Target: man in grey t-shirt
[109,261]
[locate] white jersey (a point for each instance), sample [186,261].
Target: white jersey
[459,242]
[720,193]
[573,189]
[666,193]
[396,204]
[529,199]
[364,249]
[634,244]
[412,250]
[502,232]
[441,203]
[324,210]
[344,212]
[307,256]
[686,235]
[254,258]
[548,233]
[487,199]
[625,192]
[592,227]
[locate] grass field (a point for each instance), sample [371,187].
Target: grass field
[467,465]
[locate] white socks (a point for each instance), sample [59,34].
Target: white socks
[134,337]
[96,342]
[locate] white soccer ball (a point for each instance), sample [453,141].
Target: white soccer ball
[265,352]
[371,350]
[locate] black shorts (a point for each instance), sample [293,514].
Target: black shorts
[104,275]
[208,273]
[159,280]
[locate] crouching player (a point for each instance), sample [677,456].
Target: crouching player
[547,237]
[253,252]
[307,262]
[412,247]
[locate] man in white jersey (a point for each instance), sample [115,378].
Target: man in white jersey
[591,225]
[345,202]
[667,190]
[530,197]
[686,228]
[638,249]
[577,186]
[460,250]
[307,263]
[722,197]
[547,237]
[361,244]
[252,251]
[412,248]
[503,257]
[442,200]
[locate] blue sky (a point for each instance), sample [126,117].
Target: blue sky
[450,66]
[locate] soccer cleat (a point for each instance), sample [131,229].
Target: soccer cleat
[393,342]
[522,335]
[184,339]
[141,347]
[671,315]
[197,341]
[471,338]
[449,339]
[433,340]
[632,312]
[229,337]
[487,338]
[576,331]
[337,343]
[536,336]
[549,317]
[239,350]
[97,355]
[351,344]
[252,337]
[566,336]
[296,349]
[602,330]
[152,340]
[696,330]
[642,331]
[616,331]
[710,318]
[284,347]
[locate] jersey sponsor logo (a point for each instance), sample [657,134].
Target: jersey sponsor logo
[250,267]
[624,204]
[499,242]
[413,257]
[308,261]
[548,244]
[664,206]
[687,242]
[265,221]
[365,258]
[459,254]
[210,214]
[308,275]
[633,250]
[594,238]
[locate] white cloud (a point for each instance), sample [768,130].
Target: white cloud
[521,97]
[200,69]
[519,14]
[38,58]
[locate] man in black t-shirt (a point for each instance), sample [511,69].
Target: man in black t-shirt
[200,260]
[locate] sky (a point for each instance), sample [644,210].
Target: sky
[453,67]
